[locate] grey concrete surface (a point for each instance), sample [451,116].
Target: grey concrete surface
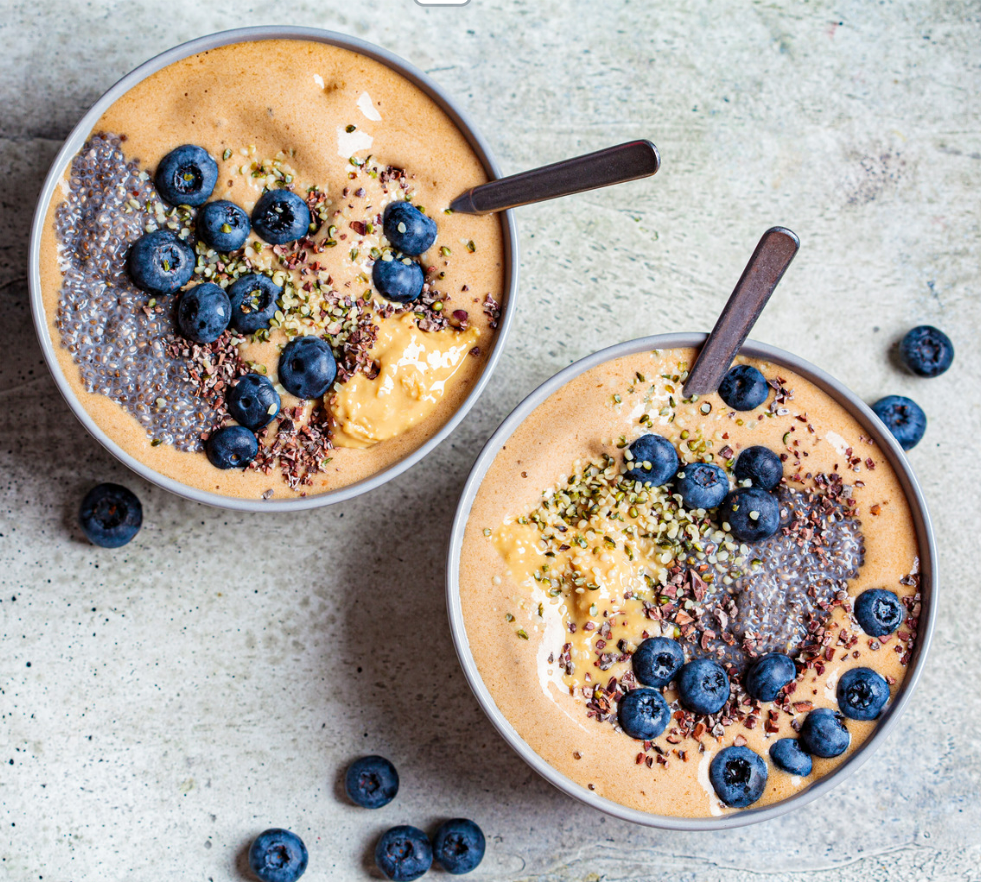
[162,704]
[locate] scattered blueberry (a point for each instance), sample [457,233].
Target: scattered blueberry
[408,229]
[232,447]
[903,417]
[659,453]
[738,776]
[110,515]
[751,514]
[254,302]
[307,367]
[703,686]
[643,714]
[759,465]
[186,175]
[204,312]
[702,485]
[459,846]
[223,225]
[160,262]
[927,351]
[371,782]
[253,402]
[862,694]
[768,675]
[404,853]
[399,280]
[879,611]
[824,733]
[278,855]
[280,217]
[744,388]
[788,756]
[657,661]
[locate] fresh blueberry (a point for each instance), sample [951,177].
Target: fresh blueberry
[186,176]
[702,485]
[862,694]
[927,351]
[254,302]
[404,853]
[788,756]
[408,229]
[751,514]
[307,367]
[232,447]
[371,782]
[399,280]
[223,225]
[738,776]
[703,686]
[744,388]
[759,465]
[204,312]
[657,660]
[654,460]
[903,417]
[824,733]
[768,675]
[643,714]
[278,855]
[459,846]
[110,515]
[160,263]
[253,402]
[280,217]
[879,612]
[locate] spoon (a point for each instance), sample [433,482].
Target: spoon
[614,165]
[773,254]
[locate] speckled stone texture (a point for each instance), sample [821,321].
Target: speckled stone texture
[162,704]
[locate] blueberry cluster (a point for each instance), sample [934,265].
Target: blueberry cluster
[398,277]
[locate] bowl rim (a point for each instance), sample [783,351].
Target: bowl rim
[77,138]
[927,569]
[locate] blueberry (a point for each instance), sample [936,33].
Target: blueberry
[253,402]
[203,313]
[927,351]
[788,756]
[459,846]
[280,217]
[186,176]
[232,447]
[761,466]
[643,714]
[160,263]
[903,417]
[751,514]
[824,733]
[408,229]
[657,660]
[223,225]
[278,856]
[862,694]
[307,367]
[399,280]
[768,675]
[744,388]
[403,853]
[110,515]
[738,776]
[656,452]
[371,782]
[703,686]
[879,612]
[254,302]
[702,485]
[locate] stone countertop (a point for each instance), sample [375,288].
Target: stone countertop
[161,704]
